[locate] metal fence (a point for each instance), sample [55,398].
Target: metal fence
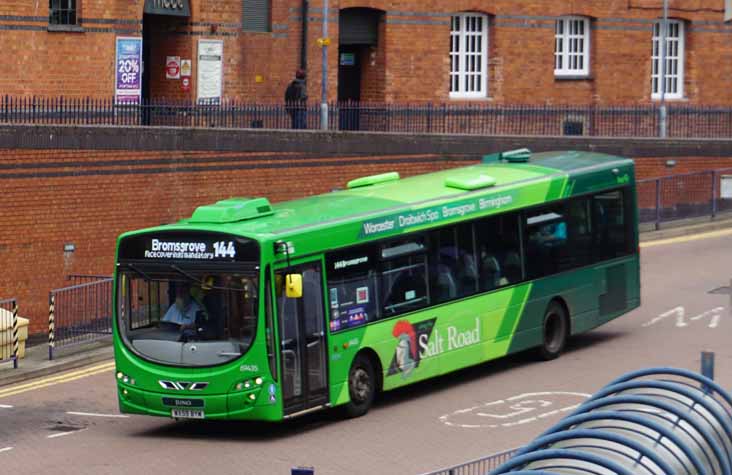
[486,119]
[479,466]
[684,196]
[9,338]
[80,313]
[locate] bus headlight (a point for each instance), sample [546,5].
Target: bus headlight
[259,381]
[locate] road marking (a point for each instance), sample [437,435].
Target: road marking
[5,406]
[517,406]
[695,237]
[62,434]
[6,449]
[680,312]
[63,378]
[92,414]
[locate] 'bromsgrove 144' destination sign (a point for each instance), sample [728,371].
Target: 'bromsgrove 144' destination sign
[187,246]
[409,219]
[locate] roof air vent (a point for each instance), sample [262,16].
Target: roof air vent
[470,183]
[372,180]
[232,210]
[521,155]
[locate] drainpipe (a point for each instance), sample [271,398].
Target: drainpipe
[304,39]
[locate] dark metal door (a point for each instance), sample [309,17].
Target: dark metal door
[302,341]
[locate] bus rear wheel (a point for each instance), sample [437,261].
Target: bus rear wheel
[555,330]
[361,387]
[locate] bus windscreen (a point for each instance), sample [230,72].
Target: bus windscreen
[184,317]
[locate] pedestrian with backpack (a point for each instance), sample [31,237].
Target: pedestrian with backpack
[296,100]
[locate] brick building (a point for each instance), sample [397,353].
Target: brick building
[504,51]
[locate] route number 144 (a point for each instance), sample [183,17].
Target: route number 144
[224,249]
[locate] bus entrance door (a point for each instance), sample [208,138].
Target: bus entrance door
[302,342]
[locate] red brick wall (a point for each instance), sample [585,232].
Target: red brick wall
[412,57]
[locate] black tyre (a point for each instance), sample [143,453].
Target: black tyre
[361,387]
[555,330]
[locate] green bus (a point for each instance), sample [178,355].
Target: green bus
[248,310]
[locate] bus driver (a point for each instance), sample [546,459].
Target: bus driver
[183,311]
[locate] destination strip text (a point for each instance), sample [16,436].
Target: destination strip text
[405,220]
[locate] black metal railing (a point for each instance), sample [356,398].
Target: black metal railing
[479,466]
[684,121]
[684,196]
[79,313]
[9,332]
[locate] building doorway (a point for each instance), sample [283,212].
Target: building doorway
[358,36]
[162,23]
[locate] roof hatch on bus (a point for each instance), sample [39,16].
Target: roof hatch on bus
[470,182]
[521,155]
[232,210]
[372,180]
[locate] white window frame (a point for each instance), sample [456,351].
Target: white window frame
[468,56]
[572,46]
[674,71]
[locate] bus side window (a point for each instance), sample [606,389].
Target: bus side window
[404,276]
[453,266]
[499,256]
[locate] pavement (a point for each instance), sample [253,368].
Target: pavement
[36,363]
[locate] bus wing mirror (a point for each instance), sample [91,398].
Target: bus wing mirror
[293,286]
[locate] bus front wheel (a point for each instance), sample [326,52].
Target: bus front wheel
[361,386]
[555,330]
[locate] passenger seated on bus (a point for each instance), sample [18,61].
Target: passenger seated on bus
[511,268]
[445,283]
[467,274]
[490,271]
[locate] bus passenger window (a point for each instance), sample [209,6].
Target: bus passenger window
[546,247]
[499,256]
[404,277]
[453,267]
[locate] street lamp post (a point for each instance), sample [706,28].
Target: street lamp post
[324,86]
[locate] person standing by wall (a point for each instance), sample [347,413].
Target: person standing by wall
[296,100]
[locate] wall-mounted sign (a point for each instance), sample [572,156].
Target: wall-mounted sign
[185,84]
[168,7]
[210,71]
[185,68]
[348,59]
[172,67]
[128,70]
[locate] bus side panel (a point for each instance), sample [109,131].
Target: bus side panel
[594,296]
[433,342]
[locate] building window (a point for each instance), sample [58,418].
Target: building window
[62,12]
[674,65]
[572,47]
[468,56]
[256,15]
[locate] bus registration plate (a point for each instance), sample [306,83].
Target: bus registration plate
[187,414]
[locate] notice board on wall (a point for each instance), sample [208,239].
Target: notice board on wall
[210,71]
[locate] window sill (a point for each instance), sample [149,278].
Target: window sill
[574,77]
[471,99]
[669,99]
[66,28]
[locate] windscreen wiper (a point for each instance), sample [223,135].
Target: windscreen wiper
[138,271]
[186,274]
